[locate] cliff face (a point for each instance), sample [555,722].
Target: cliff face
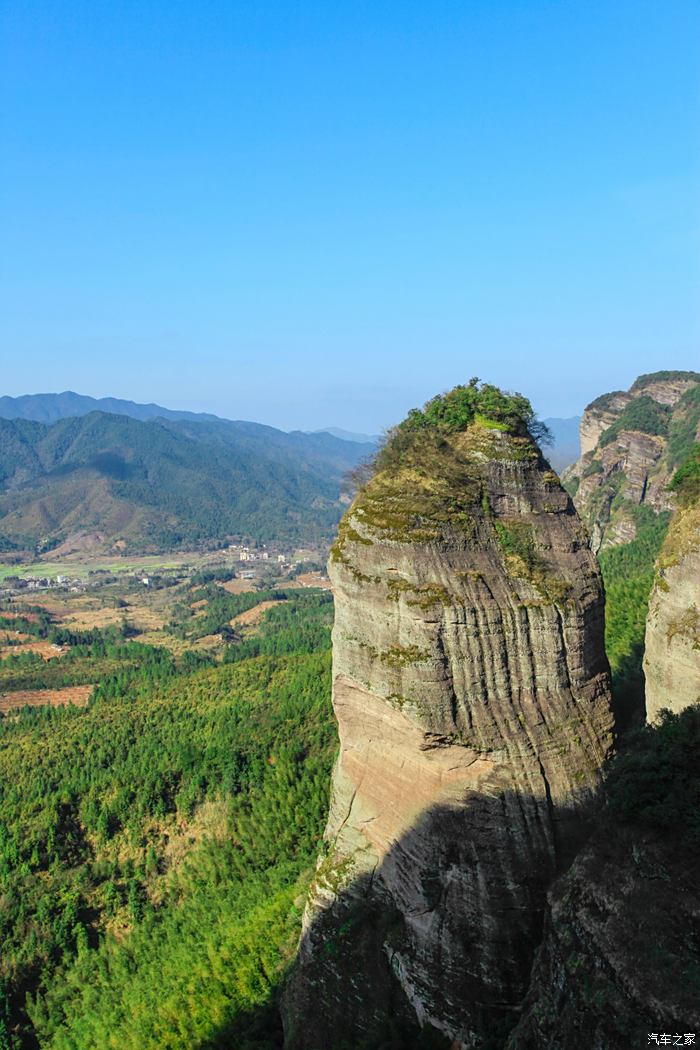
[620,956]
[631,443]
[672,643]
[620,953]
[600,415]
[472,696]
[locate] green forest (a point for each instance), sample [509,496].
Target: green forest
[155,847]
[628,574]
[162,484]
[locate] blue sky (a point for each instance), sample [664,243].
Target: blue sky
[322,213]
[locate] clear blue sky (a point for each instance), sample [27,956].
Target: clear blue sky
[322,213]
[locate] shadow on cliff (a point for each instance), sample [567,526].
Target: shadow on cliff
[453,913]
[628,684]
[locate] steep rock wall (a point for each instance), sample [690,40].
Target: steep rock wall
[619,957]
[629,466]
[672,642]
[472,696]
[597,418]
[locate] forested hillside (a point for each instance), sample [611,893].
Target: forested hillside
[153,845]
[162,484]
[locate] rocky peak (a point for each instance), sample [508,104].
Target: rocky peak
[632,442]
[472,695]
[665,387]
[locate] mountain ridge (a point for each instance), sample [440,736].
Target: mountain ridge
[161,483]
[52,407]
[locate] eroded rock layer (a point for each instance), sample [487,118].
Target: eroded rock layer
[472,696]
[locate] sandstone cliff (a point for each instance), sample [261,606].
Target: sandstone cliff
[672,644]
[472,695]
[631,443]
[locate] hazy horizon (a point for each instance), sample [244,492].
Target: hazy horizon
[185,407]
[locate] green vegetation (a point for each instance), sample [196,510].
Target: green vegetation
[456,410]
[218,610]
[684,533]
[517,539]
[300,625]
[684,426]
[686,481]
[524,560]
[82,570]
[628,573]
[162,485]
[605,400]
[82,665]
[644,414]
[91,656]
[656,782]
[428,476]
[571,485]
[426,481]
[594,467]
[153,845]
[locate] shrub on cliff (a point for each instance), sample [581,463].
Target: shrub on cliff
[664,376]
[686,481]
[456,410]
[684,426]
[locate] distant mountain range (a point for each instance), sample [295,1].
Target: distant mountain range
[49,408]
[566,444]
[106,481]
[349,435]
[78,472]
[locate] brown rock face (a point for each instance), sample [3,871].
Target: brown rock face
[672,643]
[472,696]
[620,951]
[613,478]
[596,419]
[665,388]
